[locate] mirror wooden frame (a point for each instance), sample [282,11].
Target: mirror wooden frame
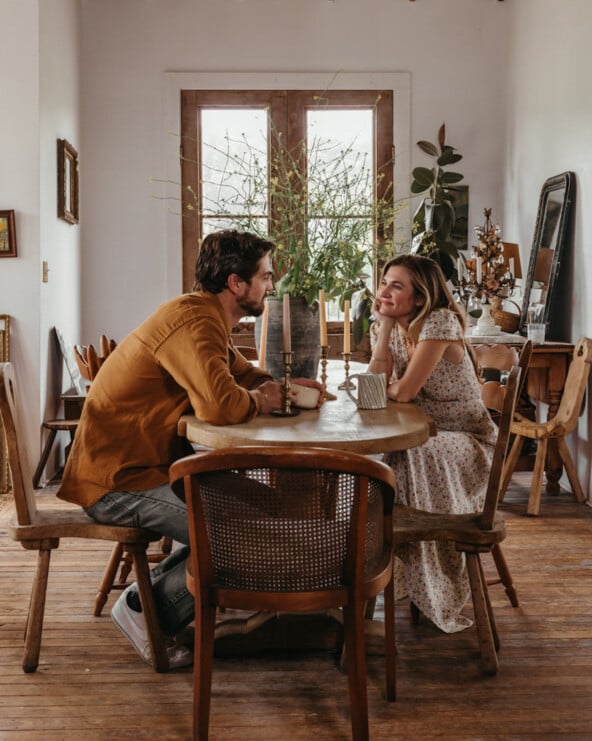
[67,182]
[566,182]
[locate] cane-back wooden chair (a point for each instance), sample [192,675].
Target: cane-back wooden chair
[286,530]
[40,529]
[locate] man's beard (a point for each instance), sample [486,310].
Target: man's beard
[250,308]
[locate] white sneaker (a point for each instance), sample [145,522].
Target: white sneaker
[133,626]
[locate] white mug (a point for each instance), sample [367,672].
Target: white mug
[307,397]
[371,390]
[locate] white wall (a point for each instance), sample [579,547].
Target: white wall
[549,131]
[38,75]
[454,52]
[19,190]
[60,241]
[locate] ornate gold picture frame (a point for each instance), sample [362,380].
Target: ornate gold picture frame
[67,182]
[7,234]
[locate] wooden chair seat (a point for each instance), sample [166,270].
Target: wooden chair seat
[41,529]
[472,534]
[465,530]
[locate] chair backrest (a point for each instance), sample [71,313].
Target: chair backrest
[88,359]
[575,386]
[18,459]
[501,448]
[286,520]
[500,357]
[493,392]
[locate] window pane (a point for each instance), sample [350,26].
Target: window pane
[340,186]
[234,161]
[339,152]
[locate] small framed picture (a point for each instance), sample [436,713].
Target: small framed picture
[67,182]
[7,234]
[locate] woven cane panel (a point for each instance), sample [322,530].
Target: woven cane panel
[287,530]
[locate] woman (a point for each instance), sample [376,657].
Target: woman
[418,341]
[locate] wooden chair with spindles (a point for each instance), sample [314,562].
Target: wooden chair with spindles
[472,534]
[502,358]
[41,529]
[556,429]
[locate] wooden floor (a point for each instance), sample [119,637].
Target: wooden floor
[91,685]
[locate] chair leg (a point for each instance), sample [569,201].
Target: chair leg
[160,660]
[490,614]
[355,646]
[536,486]
[390,647]
[505,577]
[108,578]
[205,622]
[489,662]
[510,465]
[570,470]
[44,456]
[36,611]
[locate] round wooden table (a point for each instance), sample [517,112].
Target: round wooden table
[338,424]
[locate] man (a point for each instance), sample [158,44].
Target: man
[181,357]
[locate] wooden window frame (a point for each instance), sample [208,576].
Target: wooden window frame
[287,110]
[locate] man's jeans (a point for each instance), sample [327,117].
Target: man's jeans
[161,510]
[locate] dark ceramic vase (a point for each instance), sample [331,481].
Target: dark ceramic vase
[306,340]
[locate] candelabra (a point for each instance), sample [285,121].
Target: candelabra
[346,384]
[287,410]
[324,355]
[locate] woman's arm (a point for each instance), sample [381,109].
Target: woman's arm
[382,360]
[425,358]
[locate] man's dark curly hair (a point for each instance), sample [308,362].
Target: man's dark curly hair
[225,252]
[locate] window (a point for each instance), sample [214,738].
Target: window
[231,142]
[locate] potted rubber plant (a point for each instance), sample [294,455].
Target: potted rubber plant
[435,217]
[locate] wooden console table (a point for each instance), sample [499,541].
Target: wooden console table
[545,380]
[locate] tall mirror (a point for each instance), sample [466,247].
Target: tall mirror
[547,246]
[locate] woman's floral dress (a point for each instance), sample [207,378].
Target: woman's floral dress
[448,473]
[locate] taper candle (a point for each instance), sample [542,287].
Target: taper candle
[263,337]
[287,334]
[511,265]
[460,265]
[346,328]
[323,318]
[478,267]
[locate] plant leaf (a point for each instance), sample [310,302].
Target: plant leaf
[442,136]
[452,177]
[448,157]
[428,148]
[423,176]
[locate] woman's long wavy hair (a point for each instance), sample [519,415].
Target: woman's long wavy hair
[429,284]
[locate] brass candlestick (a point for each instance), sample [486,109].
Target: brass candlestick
[287,410]
[346,384]
[324,353]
